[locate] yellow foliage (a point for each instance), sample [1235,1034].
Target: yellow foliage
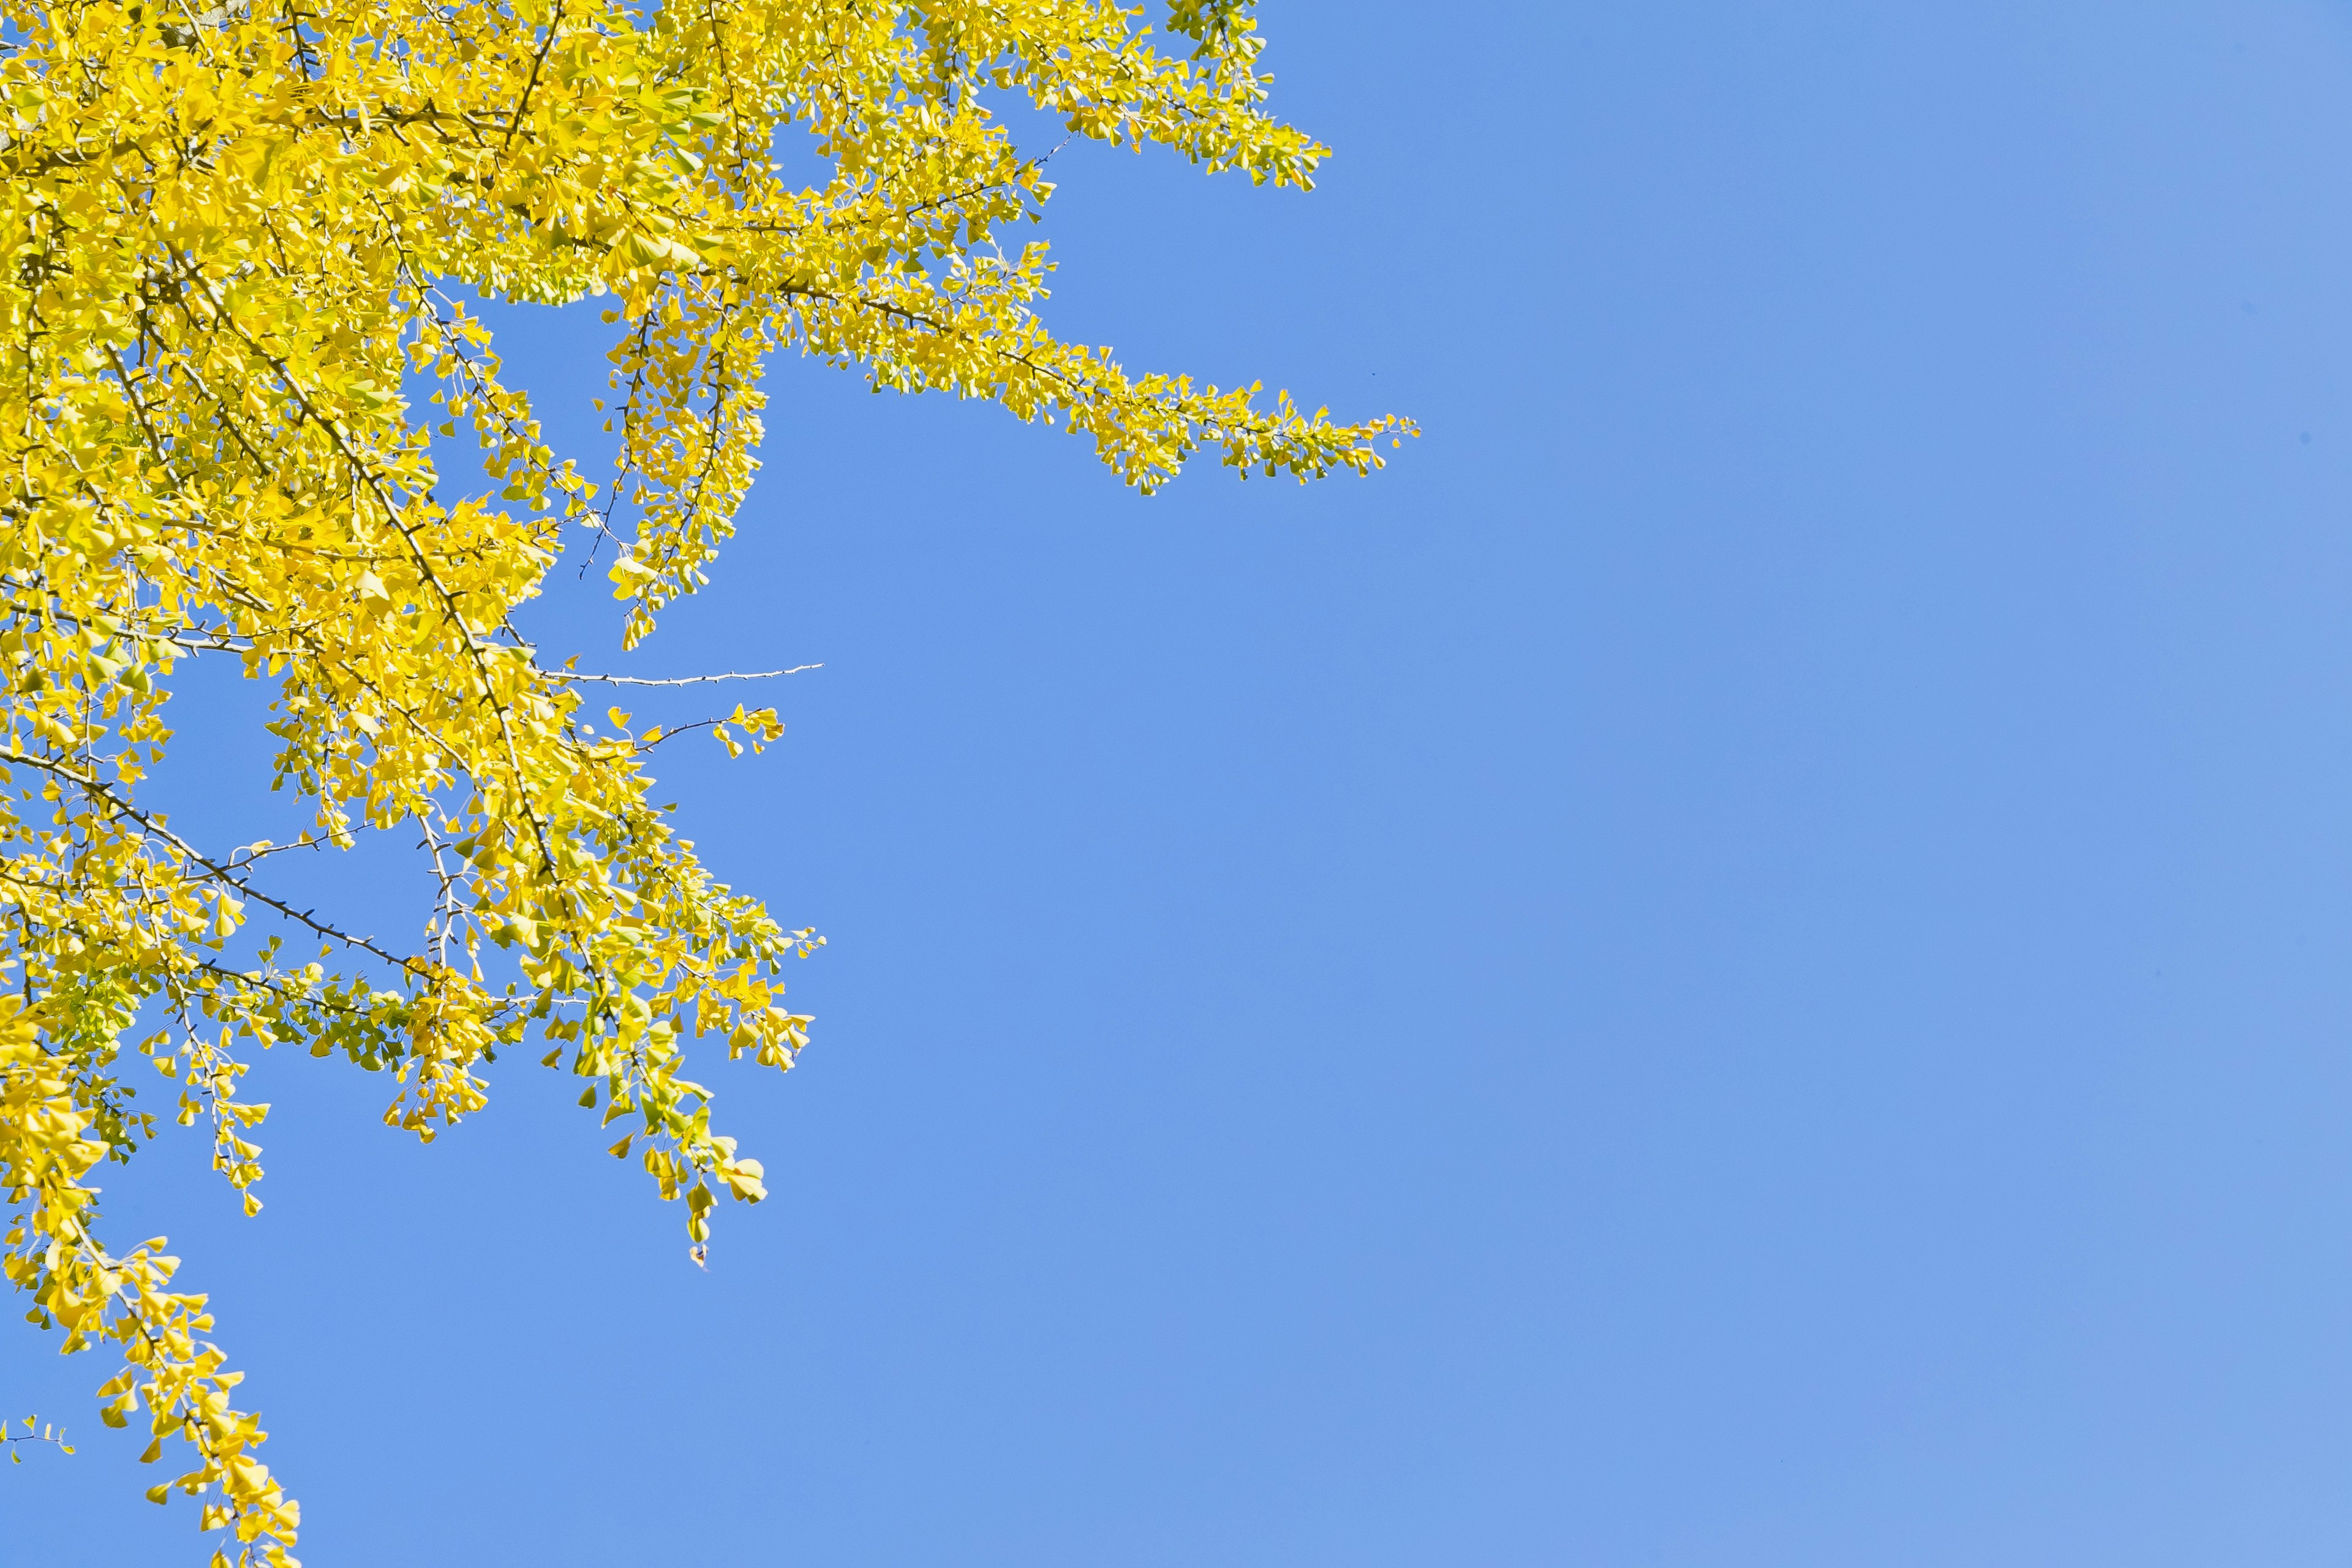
[236,241]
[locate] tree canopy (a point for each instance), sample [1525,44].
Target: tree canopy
[233,323]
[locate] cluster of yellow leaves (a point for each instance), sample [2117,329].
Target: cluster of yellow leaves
[232,237]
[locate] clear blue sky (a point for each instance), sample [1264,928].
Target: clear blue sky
[1744,960]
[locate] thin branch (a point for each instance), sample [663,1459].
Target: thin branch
[554,23]
[681,680]
[98,791]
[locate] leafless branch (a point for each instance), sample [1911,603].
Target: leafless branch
[680,681]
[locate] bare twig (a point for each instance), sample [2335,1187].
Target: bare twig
[680,681]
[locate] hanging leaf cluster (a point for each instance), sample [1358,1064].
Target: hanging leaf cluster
[236,352]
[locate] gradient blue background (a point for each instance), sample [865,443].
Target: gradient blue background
[1743,959]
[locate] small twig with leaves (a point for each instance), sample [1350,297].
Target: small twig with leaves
[36,1431]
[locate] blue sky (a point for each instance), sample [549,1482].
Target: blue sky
[1740,960]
